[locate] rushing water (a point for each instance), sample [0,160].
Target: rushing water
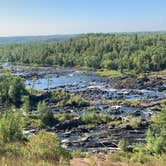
[71,81]
[76,81]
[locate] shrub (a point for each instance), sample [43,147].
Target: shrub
[123,145]
[94,118]
[26,104]
[15,149]
[46,146]
[11,127]
[78,154]
[135,122]
[64,98]
[109,73]
[42,108]
[140,157]
[77,101]
[65,116]
[156,135]
[11,90]
[46,116]
[115,123]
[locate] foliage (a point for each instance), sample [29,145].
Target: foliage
[78,154]
[65,116]
[115,123]
[96,118]
[76,101]
[109,73]
[45,114]
[46,146]
[63,98]
[156,134]
[131,103]
[11,126]
[135,122]
[140,52]
[11,90]
[26,106]
[123,145]
[16,149]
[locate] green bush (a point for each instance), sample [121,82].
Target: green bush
[63,98]
[26,106]
[115,123]
[78,154]
[156,134]
[15,149]
[140,157]
[77,101]
[135,122]
[123,145]
[46,145]
[95,118]
[65,116]
[109,73]
[11,90]
[11,127]
[46,116]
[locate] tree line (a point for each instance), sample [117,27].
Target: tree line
[125,52]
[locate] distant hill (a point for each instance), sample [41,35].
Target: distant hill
[25,39]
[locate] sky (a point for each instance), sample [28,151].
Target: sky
[50,17]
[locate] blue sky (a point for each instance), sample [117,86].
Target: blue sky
[46,17]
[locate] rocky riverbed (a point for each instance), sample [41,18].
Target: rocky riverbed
[130,100]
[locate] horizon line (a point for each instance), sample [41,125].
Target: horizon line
[83,33]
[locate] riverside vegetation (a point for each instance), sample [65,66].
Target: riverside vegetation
[32,121]
[138,52]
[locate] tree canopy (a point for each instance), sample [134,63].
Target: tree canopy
[139,52]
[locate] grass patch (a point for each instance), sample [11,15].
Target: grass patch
[109,73]
[96,118]
[130,103]
[115,123]
[65,116]
[63,98]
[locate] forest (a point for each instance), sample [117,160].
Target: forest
[138,52]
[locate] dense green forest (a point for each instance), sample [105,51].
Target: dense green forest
[125,52]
